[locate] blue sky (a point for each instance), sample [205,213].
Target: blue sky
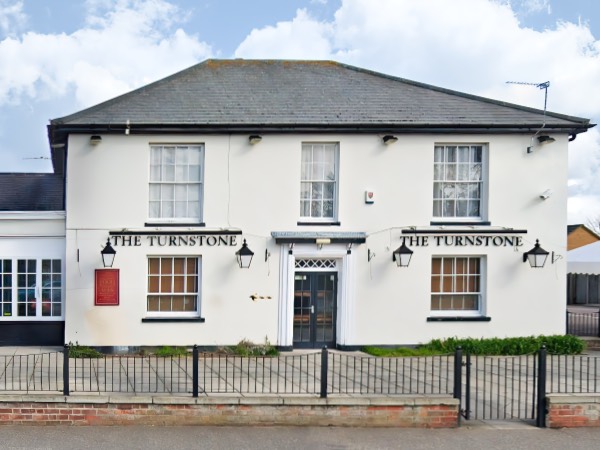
[57,59]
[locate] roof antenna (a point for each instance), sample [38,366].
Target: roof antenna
[545,85]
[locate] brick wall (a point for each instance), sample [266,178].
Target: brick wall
[419,412]
[573,410]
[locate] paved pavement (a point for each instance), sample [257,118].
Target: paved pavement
[481,436]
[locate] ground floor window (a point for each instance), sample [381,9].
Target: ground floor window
[456,285]
[173,286]
[31,288]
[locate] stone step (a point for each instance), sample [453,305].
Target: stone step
[591,343]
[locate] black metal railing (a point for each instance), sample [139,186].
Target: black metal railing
[498,387]
[39,372]
[135,374]
[571,374]
[358,374]
[583,323]
[289,374]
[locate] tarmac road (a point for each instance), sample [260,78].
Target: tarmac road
[488,436]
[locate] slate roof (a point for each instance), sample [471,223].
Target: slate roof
[279,94]
[31,192]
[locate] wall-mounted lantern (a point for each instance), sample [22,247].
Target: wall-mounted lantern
[536,256]
[244,256]
[389,139]
[544,139]
[401,256]
[95,139]
[254,139]
[108,254]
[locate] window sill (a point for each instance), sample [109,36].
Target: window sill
[459,222]
[320,224]
[459,319]
[172,319]
[174,224]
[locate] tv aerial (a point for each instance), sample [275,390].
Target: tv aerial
[545,85]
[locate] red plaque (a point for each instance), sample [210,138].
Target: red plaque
[106,292]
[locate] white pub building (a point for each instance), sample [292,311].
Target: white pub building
[310,203]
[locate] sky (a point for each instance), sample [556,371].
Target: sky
[60,56]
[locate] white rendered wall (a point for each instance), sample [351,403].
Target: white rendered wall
[257,189]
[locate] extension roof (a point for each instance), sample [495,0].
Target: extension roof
[292,96]
[577,226]
[31,192]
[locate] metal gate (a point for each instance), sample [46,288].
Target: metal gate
[503,387]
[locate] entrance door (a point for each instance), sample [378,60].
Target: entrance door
[315,299]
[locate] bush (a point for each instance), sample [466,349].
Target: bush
[166,351]
[556,345]
[82,351]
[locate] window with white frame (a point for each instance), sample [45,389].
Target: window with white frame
[31,288]
[458,181]
[318,185]
[6,287]
[456,285]
[176,173]
[173,286]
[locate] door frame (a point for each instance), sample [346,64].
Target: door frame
[345,267]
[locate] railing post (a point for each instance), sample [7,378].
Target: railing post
[324,371]
[458,377]
[195,370]
[541,389]
[598,322]
[66,370]
[467,407]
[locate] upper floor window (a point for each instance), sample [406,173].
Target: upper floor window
[458,181]
[319,178]
[176,182]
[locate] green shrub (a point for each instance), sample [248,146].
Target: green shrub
[557,345]
[166,351]
[82,351]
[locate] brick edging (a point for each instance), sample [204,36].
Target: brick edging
[409,411]
[573,410]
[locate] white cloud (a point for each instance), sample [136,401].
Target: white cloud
[302,38]
[473,46]
[131,43]
[12,17]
